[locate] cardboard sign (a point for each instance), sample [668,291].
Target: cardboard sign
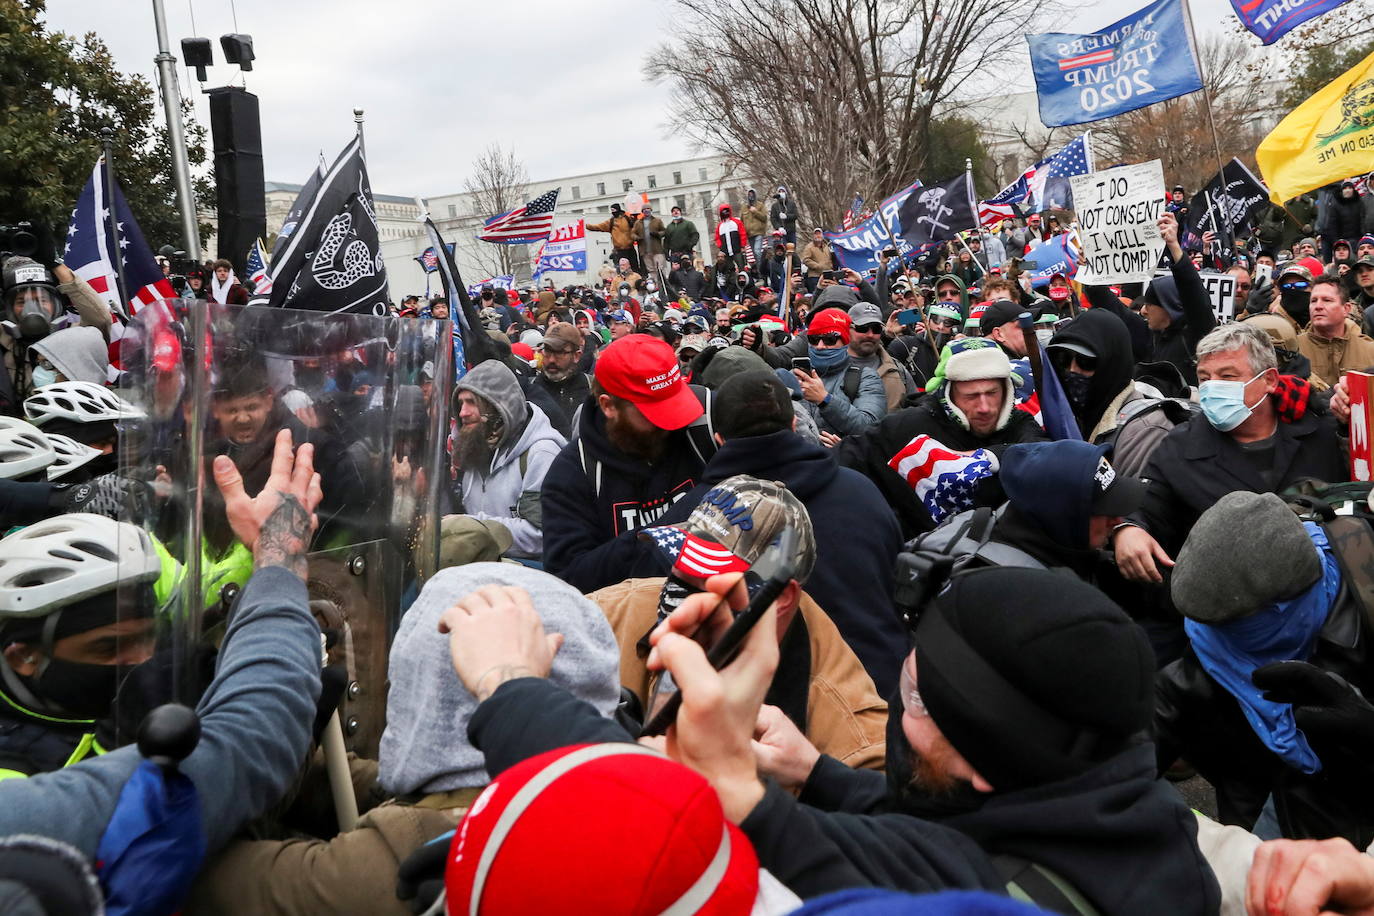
[1360,387]
[1221,290]
[1117,214]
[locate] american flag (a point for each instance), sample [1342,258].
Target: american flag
[429,260]
[692,555]
[91,245]
[530,223]
[257,269]
[1046,184]
[990,215]
[944,480]
[852,215]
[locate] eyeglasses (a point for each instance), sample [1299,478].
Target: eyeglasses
[830,339]
[1294,284]
[868,328]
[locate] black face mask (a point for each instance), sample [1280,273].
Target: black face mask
[674,592]
[1295,303]
[1076,387]
[84,690]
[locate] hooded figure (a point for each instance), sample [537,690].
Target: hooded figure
[77,354]
[503,472]
[1099,338]
[963,293]
[1183,298]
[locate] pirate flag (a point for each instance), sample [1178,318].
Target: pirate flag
[936,212]
[332,262]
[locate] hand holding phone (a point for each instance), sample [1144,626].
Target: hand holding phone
[803,363]
[777,567]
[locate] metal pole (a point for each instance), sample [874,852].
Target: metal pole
[358,120]
[1206,96]
[107,207]
[181,165]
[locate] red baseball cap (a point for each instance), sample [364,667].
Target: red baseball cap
[651,838]
[644,371]
[828,321]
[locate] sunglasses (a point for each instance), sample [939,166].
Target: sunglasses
[1295,284]
[948,295]
[1063,359]
[830,338]
[869,328]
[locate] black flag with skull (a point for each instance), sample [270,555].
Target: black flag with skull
[333,260]
[937,212]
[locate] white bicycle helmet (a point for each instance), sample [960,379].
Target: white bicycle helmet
[80,402]
[24,449]
[70,455]
[63,559]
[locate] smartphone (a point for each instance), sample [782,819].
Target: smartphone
[1263,273]
[889,252]
[907,317]
[827,275]
[776,568]
[803,363]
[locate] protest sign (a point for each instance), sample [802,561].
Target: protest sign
[1137,61]
[1360,387]
[1221,291]
[565,249]
[1117,214]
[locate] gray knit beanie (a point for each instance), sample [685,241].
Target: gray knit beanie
[1246,552]
[425,745]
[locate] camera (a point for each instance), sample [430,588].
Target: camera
[18,238]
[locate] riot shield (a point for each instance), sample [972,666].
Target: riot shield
[215,380]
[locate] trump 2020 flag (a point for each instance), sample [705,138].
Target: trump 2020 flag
[938,211]
[1140,60]
[944,480]
[332,262]
[1273,19]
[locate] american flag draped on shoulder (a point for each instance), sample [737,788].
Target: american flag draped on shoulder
[525,224]
[332,261]
[94,238]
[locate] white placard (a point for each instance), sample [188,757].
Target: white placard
[1117,214]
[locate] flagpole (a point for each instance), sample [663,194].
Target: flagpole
[358,122]
[972,209]
[1206,96]
[112,218]
[171,103]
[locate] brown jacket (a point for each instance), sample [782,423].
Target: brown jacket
[624,230]
[755,217]
[655,234]
[354,873]
[817,258]
[845,716]
[1352,350]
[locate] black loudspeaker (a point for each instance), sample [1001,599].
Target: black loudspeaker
[240,196]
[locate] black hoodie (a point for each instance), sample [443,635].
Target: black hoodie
[857,539]
[596,498]
[1106,336]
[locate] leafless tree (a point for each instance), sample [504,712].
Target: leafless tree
[830,97]
[1177,132]
[499,182]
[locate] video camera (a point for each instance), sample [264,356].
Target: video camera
[19,238]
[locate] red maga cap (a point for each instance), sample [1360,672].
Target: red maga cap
[644,371]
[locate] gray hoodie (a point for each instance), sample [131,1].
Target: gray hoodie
[79,353]
[425,746]
[509,490]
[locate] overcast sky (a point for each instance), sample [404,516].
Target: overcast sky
[560,82]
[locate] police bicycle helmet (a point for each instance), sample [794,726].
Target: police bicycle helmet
[71,455]
[78,402]
[67,558]
[24,449]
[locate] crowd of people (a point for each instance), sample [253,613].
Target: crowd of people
[1042,550]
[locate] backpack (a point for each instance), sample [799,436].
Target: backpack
[1346,517]
[850,386]
[1039,886]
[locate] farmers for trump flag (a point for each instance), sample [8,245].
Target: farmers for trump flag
[102,229]
[944,480]
[1330,137]
[1137,61]
[1273,19]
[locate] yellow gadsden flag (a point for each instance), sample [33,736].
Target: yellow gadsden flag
[1327,138]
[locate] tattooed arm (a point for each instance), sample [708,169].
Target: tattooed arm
[275,525]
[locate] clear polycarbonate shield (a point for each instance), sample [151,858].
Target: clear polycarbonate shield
[217,382]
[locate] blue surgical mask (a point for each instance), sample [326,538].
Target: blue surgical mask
[43,376]
[1223,403]
[821,360]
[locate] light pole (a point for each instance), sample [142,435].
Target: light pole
[181,166]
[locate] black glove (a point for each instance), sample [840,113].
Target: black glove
[1260,298]
[1328,709]
[110,495]
[45,251]
[420,878]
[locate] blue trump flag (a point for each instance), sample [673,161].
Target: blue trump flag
[1138,61]
[154,844]
[1054,256]
[1273,19]
[858,248]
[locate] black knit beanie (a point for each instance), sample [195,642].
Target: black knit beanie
[1033,676]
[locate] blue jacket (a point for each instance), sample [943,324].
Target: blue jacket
[857,540]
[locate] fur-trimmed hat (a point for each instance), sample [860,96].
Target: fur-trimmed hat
[970,359]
